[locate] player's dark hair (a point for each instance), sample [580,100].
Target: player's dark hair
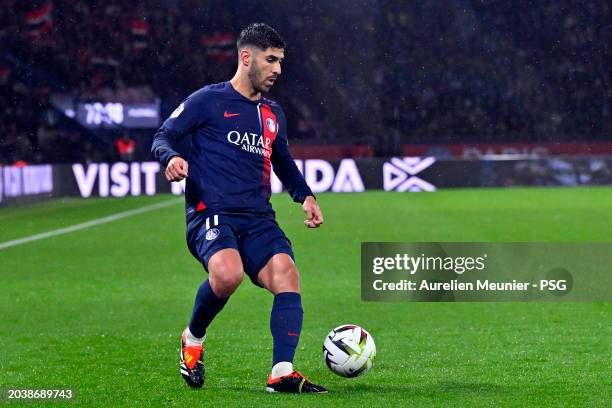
[261,36]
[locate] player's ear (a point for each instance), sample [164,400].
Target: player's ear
[244,56]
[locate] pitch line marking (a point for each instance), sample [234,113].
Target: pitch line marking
[87,224]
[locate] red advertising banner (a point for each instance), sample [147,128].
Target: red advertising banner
[480,150]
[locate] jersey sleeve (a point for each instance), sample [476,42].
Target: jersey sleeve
[185,119]
[285,167]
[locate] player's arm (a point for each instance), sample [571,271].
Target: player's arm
[183,121]
[292,179]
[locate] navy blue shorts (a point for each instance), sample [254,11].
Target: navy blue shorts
[257,237]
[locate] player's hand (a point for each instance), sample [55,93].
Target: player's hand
[313,212]
[176,169]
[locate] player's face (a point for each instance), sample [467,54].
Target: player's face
[265,68]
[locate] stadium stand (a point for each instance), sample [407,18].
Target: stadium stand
[466,72]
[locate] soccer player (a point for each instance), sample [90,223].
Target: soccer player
[237,136]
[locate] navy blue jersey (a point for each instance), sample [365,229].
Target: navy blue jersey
[235,142]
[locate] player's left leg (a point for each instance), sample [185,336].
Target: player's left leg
[268,261]
[281,277]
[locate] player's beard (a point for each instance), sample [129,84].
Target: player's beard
[258,84]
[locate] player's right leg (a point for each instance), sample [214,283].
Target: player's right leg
[216,247]
[225,275]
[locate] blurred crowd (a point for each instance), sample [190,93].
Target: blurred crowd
[500,70]
[379,72]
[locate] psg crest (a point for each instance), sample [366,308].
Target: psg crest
[212,234]
[271,125]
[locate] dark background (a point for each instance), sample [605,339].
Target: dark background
[380,73]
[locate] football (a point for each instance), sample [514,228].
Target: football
[349,351]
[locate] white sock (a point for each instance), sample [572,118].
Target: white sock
[193,340]
[281,369]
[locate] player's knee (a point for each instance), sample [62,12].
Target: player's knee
[227,285]
[286,279]
[224,285]
[225,277]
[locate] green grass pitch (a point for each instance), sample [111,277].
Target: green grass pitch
[101,310]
